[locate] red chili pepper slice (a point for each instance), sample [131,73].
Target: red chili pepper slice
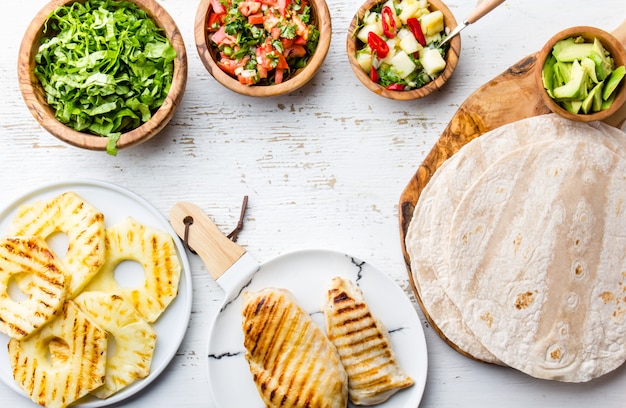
[396,87]
[374,74]
[416,29]
[389,22]
[377,44]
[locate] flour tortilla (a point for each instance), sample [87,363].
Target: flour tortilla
[427,235]
[537,245]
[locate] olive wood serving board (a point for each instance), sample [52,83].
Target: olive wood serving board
[494,104]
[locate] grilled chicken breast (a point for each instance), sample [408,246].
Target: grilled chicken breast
[291,360]
[363,344]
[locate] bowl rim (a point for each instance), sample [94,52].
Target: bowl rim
[610,43]
[34,95]
[303,75]
[452,55]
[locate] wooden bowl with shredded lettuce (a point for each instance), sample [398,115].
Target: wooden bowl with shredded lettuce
[102,74]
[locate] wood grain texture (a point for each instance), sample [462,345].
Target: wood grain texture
[323,167]
[509,97]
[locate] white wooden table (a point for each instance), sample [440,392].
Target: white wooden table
[323,168]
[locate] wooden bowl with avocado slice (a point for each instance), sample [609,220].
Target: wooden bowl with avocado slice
[581,74]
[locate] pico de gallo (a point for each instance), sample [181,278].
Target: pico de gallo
[262,42]
[398,44]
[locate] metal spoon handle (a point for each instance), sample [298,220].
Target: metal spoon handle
[482,9]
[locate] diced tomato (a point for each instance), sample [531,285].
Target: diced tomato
[300,40]
[282,7]
[247,8]
[301,29]
[278,76]
[295,51]
[217,6]
[286,42]
[215,21]
[275,33]
[246,80]
[221,38]
[229,65]
[256,19]
[282,62]
[270,22]
[271,3]
[262,71]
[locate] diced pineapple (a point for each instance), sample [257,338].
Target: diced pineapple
[402,64]
[363,32]
[432,23]
[432,61]
[408,43]
[364,59]
[371,17]
[432,38]
[410,8]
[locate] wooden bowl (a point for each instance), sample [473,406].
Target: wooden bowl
[452,56]
[610,43]
[208,54]
[35,97]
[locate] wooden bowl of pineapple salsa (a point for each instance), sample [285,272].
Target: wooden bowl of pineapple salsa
[393,47]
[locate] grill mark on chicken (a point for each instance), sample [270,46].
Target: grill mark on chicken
[293,364]
[363,345]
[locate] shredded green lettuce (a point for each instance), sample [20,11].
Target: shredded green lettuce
[105,66]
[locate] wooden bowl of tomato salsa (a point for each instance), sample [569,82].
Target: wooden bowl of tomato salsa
[267,48]
[376,80]
[130,133]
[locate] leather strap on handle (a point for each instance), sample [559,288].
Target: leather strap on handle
[199,232]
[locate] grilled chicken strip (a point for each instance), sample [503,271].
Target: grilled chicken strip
[291,360]
[363,344]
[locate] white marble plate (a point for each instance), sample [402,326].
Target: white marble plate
[307,274]
[116,203]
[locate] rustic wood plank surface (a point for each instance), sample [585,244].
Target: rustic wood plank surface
[323,167]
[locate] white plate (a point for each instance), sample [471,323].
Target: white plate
[116,203]
[307,274]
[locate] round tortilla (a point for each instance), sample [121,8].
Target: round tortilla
[537,249]
[427,235]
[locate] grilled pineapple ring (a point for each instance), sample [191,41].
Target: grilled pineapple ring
[84,226]
[78,349]
[155,251]
[135,339]
[29,256]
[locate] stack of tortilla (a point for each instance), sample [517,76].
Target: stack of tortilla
[518,248]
